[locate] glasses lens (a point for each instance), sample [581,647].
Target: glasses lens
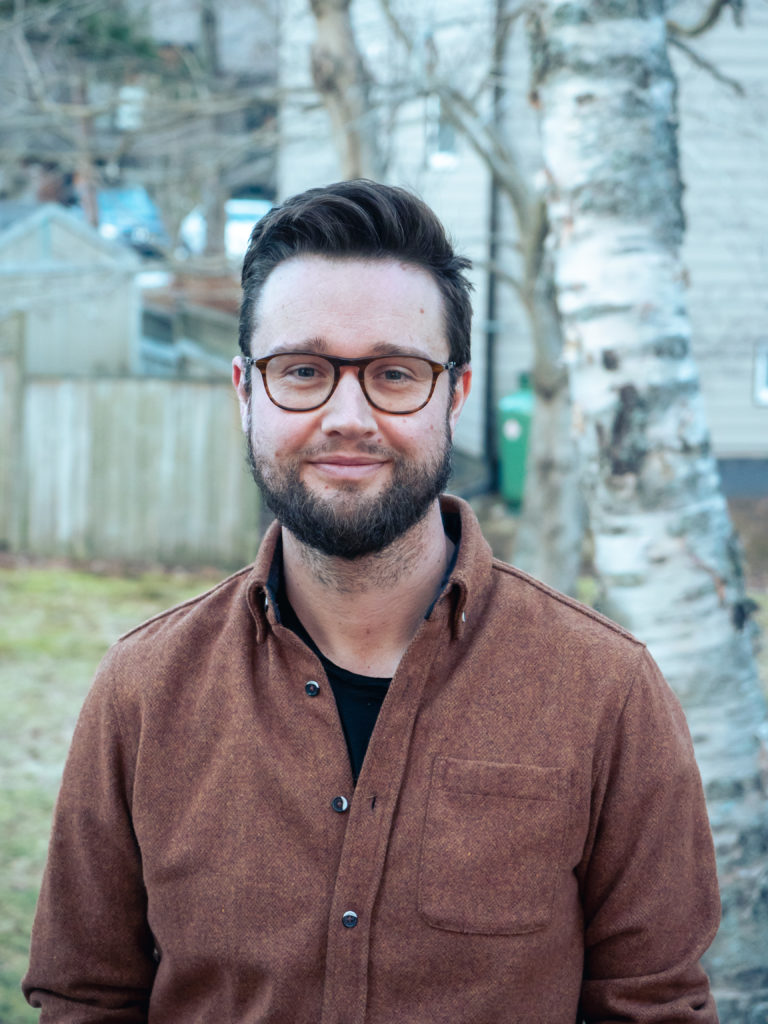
[399,383]
[299,381]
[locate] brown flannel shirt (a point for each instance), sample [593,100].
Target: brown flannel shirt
[527,841]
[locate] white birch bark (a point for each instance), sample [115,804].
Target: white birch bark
[664,548]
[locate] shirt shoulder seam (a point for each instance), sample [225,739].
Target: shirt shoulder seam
[563,599]
[189,603]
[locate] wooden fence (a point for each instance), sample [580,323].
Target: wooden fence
[123,468]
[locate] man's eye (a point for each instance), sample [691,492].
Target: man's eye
[393,374]
[303,372]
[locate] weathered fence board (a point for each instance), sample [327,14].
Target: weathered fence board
[11,357]
[134,468]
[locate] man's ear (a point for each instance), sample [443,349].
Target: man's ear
[460,393]
[238,382]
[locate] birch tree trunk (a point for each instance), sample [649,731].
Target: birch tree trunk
[342,80]
[664,548]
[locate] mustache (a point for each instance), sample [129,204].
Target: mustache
[337,447]
[330,447]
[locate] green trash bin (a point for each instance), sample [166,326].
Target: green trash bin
[515,413]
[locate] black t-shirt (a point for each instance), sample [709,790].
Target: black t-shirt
[358,698]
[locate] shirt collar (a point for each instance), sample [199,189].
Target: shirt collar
[468,578]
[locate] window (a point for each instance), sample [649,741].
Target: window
[761,373]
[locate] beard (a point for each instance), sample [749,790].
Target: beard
[350,525]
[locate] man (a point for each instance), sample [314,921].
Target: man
[378,776]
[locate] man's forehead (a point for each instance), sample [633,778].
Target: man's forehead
[320,267]
[312,298]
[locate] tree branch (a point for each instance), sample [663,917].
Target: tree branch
[710,17]
[343,80]
[33,73]
[706,65]
[482,138]
[490,148]
[501,274]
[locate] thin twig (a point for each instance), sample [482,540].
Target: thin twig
[710,17]
[708,66]
[482,137]
[500,273]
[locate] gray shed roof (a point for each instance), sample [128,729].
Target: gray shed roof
[12,210]
[19,219]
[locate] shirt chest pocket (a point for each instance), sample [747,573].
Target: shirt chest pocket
[492,848]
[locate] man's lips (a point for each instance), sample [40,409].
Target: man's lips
[348,467]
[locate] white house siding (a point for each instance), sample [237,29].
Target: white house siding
[245,30]
[724,153]
[82,326]
[723,142]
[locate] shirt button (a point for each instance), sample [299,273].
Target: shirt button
[312,688]
[340,804]
[349,920]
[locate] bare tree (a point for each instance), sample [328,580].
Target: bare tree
[664,549]
[86,88]
[343,81]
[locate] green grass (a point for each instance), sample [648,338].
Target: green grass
[55,624]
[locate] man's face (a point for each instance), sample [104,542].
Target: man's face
[346,478]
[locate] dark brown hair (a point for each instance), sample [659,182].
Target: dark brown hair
[364,219]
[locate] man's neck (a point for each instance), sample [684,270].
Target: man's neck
[363,613]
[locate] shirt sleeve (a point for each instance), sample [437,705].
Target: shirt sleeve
[648,880]
[91,955]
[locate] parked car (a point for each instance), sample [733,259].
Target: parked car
[129,215]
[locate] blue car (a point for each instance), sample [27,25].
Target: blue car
[128,215]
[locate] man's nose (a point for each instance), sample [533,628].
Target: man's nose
[348,411]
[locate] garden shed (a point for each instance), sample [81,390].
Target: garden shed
[72,293]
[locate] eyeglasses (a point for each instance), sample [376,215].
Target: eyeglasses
[302,381]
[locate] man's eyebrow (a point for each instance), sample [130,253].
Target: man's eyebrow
[387,348]
[320,345]
[316,344]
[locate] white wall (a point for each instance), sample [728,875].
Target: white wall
[724,155]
